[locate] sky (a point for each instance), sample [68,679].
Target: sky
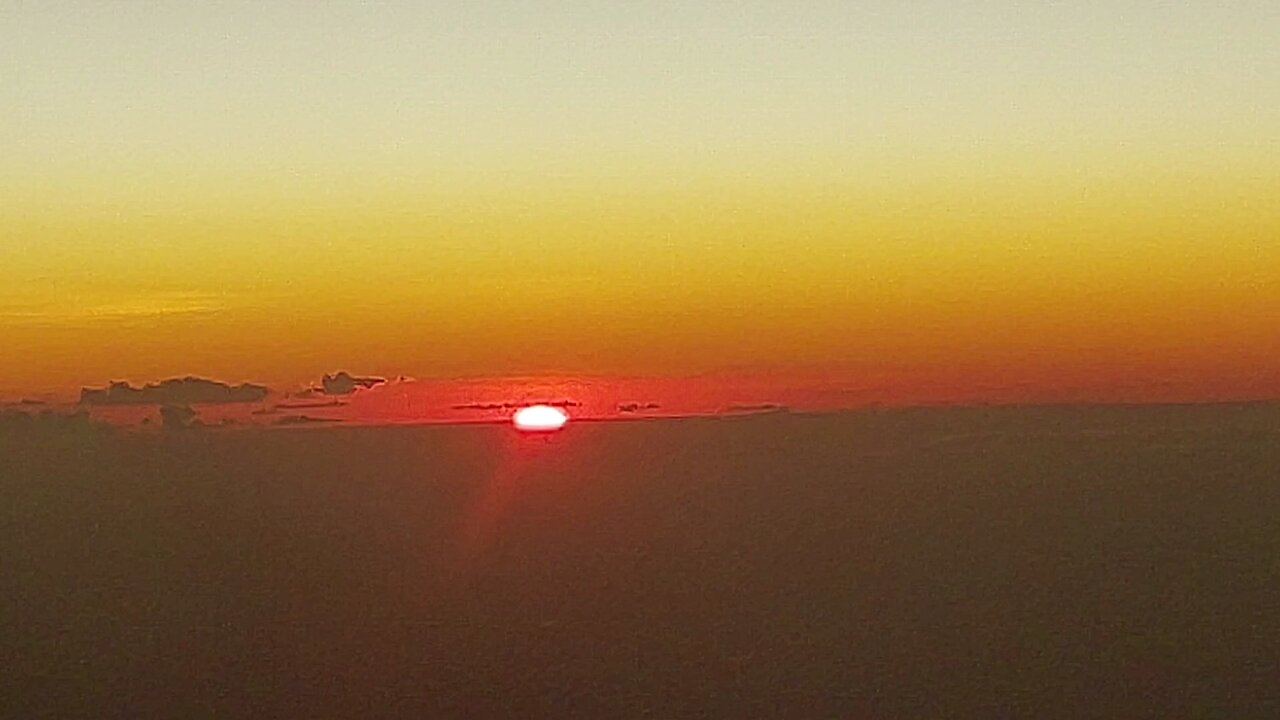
[947,195]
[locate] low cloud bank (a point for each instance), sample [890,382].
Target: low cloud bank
[178,417]
[757,408]
[47,422]
[344,383]
[635,407]
[517,405]
[178,391]
[308,405]
[304,420]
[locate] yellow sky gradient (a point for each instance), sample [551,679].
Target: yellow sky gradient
[970,197]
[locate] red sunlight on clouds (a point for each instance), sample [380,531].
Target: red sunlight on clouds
[496,400]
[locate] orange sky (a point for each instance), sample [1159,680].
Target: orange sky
[965,205]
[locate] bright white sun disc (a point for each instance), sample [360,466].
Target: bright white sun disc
[539,418]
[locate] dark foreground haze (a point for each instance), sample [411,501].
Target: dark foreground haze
[1038,562]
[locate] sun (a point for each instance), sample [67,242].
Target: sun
[539,418]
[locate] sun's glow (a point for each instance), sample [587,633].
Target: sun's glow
[539,418]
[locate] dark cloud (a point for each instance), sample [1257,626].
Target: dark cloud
[304,420]
[757,408]
[481,406]
[22,404]
[344,383]
[634,407]
[308,405]
[516,405]
[177,391]
[178,417]
[47,422]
